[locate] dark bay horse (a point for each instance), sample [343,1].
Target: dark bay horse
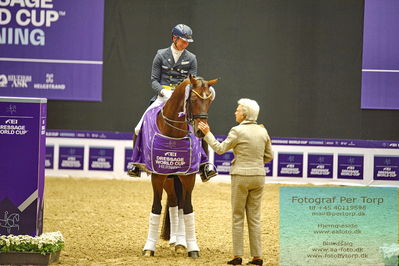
[180,115]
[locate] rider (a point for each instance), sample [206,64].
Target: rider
[171,65]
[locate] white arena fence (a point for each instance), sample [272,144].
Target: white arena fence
[94,154]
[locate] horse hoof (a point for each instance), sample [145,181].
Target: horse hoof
[180,249]
[148,253]
[193,254]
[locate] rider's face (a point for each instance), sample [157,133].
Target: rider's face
[180,44]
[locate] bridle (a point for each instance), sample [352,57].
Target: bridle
[190,117]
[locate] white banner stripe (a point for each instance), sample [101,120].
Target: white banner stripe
[28,201]
[14,116]
[35,60]
[379,70]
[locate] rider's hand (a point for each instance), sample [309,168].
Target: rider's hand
[204,127]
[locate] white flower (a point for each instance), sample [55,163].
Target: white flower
[390,250]
[43,243]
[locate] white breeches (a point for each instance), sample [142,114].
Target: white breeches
[158,102]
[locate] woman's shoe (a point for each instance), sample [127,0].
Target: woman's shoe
[255,262]
[235,261]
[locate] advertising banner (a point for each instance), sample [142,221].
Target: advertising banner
[320,165]
[22,142]
[386,168]
[49,157]
[52,49]
[350,166]
[380,71]
[128,156]
[296,160]
[222,162]
[101,158]
[71,157]
[290,164]
[269,168]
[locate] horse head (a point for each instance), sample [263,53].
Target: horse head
[201,97]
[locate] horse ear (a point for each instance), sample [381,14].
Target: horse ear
[213,82]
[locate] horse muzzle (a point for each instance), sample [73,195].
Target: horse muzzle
[197,118]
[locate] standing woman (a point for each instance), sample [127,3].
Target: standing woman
[252,149]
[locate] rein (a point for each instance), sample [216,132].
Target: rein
[169,121]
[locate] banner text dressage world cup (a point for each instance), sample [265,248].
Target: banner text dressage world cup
[23,22]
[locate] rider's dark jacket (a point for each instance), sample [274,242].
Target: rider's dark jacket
[165,71]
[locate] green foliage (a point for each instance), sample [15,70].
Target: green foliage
[45,244]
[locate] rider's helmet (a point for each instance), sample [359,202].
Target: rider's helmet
[183,31]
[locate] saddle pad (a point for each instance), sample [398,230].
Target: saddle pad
[160,154]
[171,155]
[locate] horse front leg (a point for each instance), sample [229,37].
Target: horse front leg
[155,215]
[189,216]
[171,222]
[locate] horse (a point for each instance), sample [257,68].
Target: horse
[177,120]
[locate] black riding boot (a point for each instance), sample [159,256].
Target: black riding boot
[206,173]
[133,170]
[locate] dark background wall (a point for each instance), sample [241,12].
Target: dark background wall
[301,60]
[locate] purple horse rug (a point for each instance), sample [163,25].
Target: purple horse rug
[160,154]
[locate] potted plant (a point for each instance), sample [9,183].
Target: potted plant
[24,249]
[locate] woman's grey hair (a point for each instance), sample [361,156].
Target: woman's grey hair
[250,109]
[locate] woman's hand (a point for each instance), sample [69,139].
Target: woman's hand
[203,127]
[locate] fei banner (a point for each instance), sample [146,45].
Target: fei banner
[380,71]
[51,49]
[22,157]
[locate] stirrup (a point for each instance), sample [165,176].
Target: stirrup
[134,171]
[207,174]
